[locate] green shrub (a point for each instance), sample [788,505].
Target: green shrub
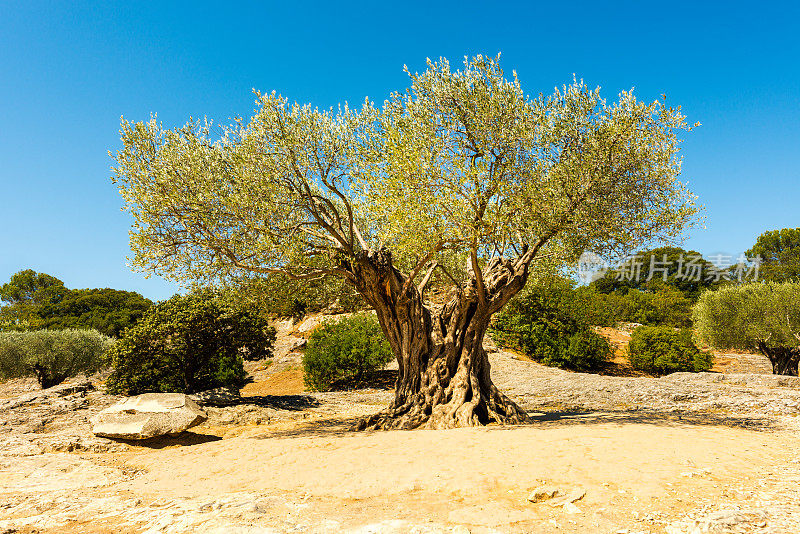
[600,309]
[548,323]
[52,356]
[664,306]
[671,307]
[587,350]
[187,344]
[661,350]
[349,348]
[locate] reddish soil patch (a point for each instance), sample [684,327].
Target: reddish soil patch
[619,365]
[287,382]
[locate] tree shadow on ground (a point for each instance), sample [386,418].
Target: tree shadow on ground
[293,403]
[322,427]
[344,426]
[384,379]
[183,439]
[580,417]
[615,367]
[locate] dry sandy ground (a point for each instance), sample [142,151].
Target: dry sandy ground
[647,469]
[317,477]
[475,477]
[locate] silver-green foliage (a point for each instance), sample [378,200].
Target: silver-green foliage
[462,162]
[52,356]
[742,317]
[763,316]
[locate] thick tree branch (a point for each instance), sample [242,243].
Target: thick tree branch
[425,279]
[420,264]
[476,270]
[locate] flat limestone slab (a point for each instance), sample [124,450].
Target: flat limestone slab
[147,416]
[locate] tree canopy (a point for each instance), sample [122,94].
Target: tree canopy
[41,301]
[29,287]
[109,311]
[685,270]
[779,251]
[52,356]
[24,294]
[462,160]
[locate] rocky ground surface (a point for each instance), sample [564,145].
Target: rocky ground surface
[684,453]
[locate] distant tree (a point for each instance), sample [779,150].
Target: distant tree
[685,270]
[24,294]
[762,316]
[464,162]
[52,356]
[30,287]
[38,300]
[110,311]
[780,254]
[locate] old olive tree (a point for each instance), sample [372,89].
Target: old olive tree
[462,176]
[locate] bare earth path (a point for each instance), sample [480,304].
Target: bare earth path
[684,453]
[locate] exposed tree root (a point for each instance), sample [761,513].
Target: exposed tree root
[493,407]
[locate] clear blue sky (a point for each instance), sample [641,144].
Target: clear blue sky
[69,70]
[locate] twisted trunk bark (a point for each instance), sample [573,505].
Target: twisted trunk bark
[444,373]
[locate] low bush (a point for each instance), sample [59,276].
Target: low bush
[664,307]
[661,350]
[548,323]
[587,350]
[347,349]
[52,356]
[187,344]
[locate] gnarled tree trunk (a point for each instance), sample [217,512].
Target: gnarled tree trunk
[785,360]
[444,373]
